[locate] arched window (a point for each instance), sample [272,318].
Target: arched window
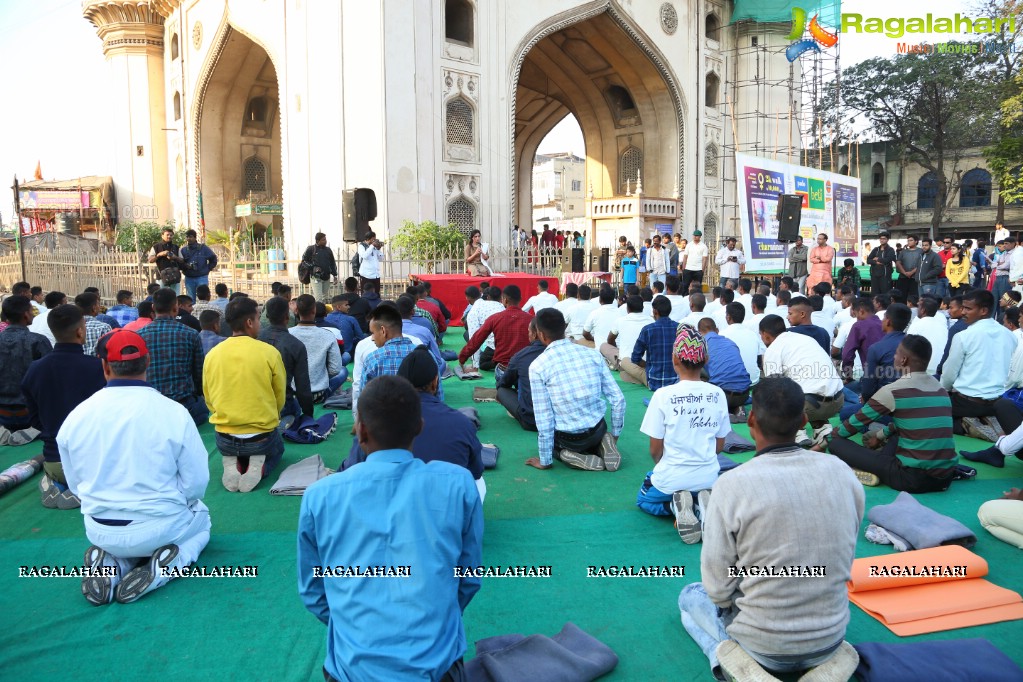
[712,26]
[621,102]
[255,112]
[710,223]
[927,191]
[713,85]
[174,46]
[253,176]
[877,178]
[711,163]
[630,164]
[458,22]
[177,106]
[462,214]
[975,189]
[459,123]
[844,170]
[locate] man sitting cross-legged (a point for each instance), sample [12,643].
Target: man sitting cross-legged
[784,508]
[725,368]
[19,348]
[687,423]
[391,348]
[244,383]
[510,328]
[176,355]
[513,391]
[393,511]
[917,453]
[650,363]
[624,332]
[326,373]
[141,480]
[569,384]
[54,385]
[801,359]
[299,391]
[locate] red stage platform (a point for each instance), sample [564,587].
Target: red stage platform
[451,288]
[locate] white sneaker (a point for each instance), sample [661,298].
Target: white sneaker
[803,440]
[686,523]
[821,435]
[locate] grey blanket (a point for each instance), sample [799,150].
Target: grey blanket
[921,526]
[736,443]
[463,375]
[569,656]
[299,476]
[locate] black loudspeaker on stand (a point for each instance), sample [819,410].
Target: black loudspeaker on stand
[790,211]
[578,263]
[358,207]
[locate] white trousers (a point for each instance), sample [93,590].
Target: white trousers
[189,530]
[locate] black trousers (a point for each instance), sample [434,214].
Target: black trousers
[886,466]
[363,281]
[487,360]
[586,442]
[736,399]
[880,284]
[1005,411]
[907,285]
[688,277]
[509,399]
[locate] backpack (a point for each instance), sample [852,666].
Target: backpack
[356,262]
[305,268]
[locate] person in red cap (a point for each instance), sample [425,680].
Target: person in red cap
[140,481]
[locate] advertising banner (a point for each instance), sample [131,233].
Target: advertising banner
[831,205]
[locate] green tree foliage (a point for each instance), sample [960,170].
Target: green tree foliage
[148,234]
[934,106]
[1005,155]
[427,243]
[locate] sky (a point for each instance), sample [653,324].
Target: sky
[56,102]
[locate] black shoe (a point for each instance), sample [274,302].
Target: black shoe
[961,472]
[97,589]
[147,577]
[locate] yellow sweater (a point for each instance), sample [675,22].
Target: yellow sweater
[958,275]
[243,380]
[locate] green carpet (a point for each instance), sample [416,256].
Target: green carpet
[257,628]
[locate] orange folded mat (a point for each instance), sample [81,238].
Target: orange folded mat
[930,590]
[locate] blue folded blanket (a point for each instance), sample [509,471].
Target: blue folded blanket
[921,526]
[957,660]
[569,656]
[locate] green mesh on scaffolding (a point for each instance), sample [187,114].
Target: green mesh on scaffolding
[781,11]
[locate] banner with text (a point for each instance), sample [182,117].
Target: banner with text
[831,205]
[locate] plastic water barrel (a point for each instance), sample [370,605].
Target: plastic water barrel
[276,255]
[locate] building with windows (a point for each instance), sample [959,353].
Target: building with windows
[900,196]
[558,187]
[439,106]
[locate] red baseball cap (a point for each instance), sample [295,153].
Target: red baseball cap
[121,345]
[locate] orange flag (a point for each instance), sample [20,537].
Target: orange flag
[39,171]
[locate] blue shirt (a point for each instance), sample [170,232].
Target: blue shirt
[175,358]
[54,385]
[199,260]
[114,324]
[629,268]
[818,334]
[351,332]
[979,360]
[391,510]
[655,341]
[724,364]
[122,314]
[880,368]
[209,340]
[517,377]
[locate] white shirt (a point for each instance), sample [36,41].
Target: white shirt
[40,308]
[711,307]
[577,317]
[688,416]
[749,344]
[693,319]
[626,330]
[679,306]
[600,322]
[1015,379]
[840,340]
[720,318]
[979,360]
[880,314]
[824,320]
[657,260]
[1015,266]
[746,301]
[39,326]
[935,330]
[542,300]
[369,261]
[694,255]
[752,322]
[481,310]
[124,464]
[566,305]
[782,311]
[729,269]
[802,359]
[361,351]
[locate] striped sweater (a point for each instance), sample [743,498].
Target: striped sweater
[921,414]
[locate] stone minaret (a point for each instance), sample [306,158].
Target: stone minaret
[132,34]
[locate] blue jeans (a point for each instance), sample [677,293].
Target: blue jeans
[722,281]
[653,501]
[928,289]
[335,382]
[176,287]
[196,406]
[706,622]
[657,278]
[271,447]
[498,374]
[192,283]
[852,401]
[291,408]
[1000,287]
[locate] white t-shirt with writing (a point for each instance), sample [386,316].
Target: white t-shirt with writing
[688,416]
